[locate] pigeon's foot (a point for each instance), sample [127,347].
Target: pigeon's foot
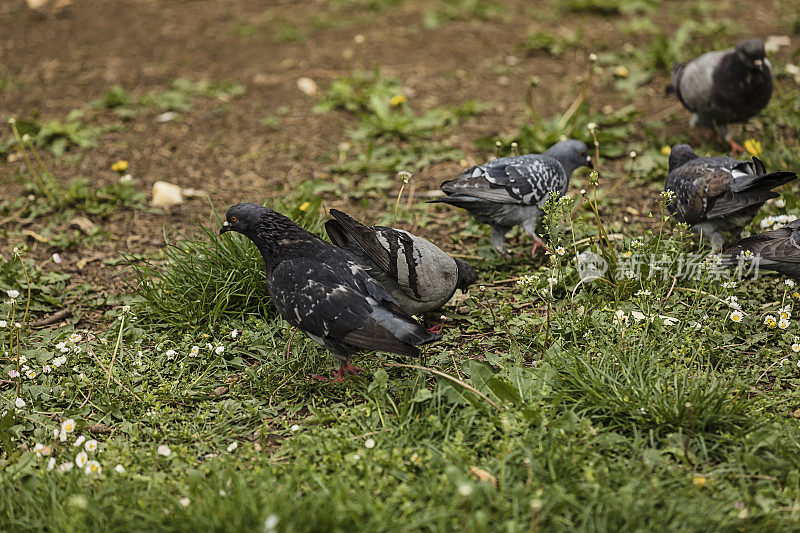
[345,368]
[539,243]
[436,329]
[736,148]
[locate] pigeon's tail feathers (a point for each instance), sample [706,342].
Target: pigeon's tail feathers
[373,336]
[405,329]
[337,233]
[745,179]
[388,332]
[675,79]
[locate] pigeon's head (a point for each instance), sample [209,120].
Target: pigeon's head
[680,154]
[466,275]
[571,154]
[751,53]
[242,217]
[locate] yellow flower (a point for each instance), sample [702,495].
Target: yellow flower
[753,146]
[699,481]
[796,295]
[770,321]
[304,206]
[399,99]
[621,71]
[666,150]
[120,166]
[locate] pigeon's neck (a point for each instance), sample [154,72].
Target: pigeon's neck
[277,238]
[568,165]
[733,75]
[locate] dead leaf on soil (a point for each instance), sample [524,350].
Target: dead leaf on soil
[35,236]
[482,475]
[83,224]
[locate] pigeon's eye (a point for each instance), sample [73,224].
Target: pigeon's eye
[233,219]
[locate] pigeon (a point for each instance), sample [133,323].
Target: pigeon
[320,289]
[416,273]
[512,191]
[777,250]
[725,86]
[716,194]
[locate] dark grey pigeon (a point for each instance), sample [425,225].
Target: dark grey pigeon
[777,250]
[725,86]
[717,194]
[417,273]
[321,290]
[512,191]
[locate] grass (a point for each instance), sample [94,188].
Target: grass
[629,403]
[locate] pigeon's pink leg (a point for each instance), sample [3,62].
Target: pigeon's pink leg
[436,329]
[736,148]
[344,368]
[537,242]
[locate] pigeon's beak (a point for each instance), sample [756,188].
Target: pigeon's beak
[589,162]
[759,64]
[226,227]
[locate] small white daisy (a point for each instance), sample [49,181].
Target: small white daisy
[90,446]
[19,403]
[93,468]
[68,426]
[13,294]
[369,443]
[232,446]
[164,450]
[736,316]
[81,459]
[119,469]
[219,349]
[79,441]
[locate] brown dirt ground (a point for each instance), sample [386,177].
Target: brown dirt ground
[65,59]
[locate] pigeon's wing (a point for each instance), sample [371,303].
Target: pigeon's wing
[694,81]
[750,186]
[707,191]
[780,245]
[313,297]
[696,187]
[418,267]
[525,180]
[339,303]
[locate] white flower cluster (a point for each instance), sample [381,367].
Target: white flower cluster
[777,221]
[82,460]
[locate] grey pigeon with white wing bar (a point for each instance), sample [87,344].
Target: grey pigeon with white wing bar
[513,191]
[416,272]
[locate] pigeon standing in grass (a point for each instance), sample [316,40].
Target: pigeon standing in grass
[321,290]
[777,250]
[725,86]
[717,194]
[417,273]
[512,191]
